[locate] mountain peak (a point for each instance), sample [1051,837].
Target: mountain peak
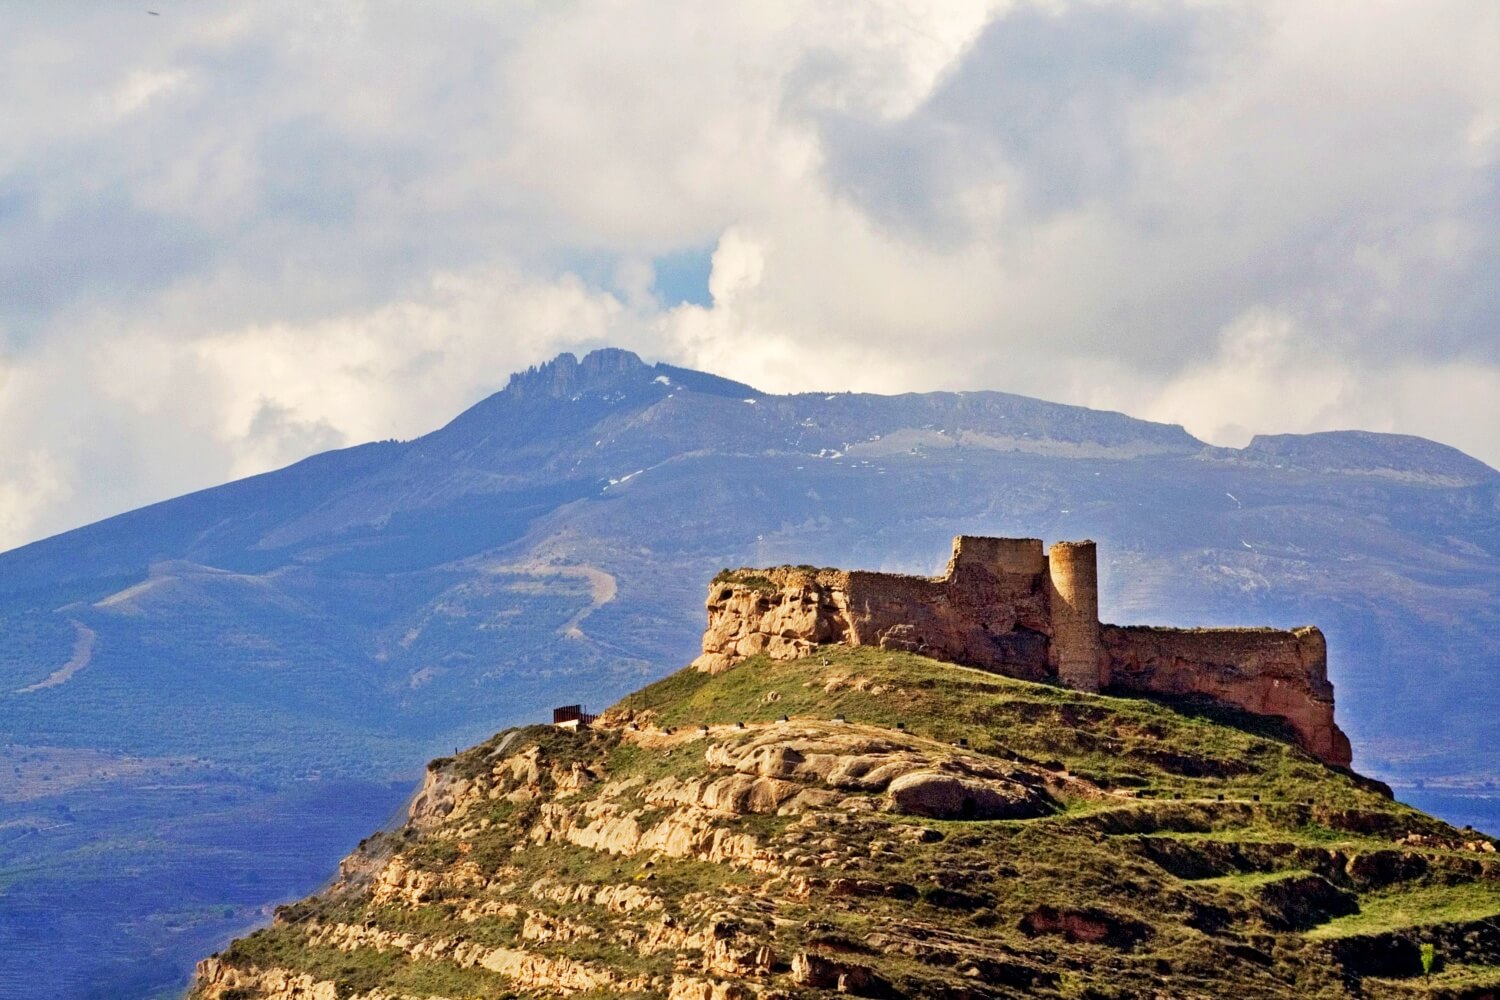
[566,375]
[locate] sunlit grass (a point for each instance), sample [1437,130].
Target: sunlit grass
[1415,907]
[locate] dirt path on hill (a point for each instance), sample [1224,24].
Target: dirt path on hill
[602,588]
[83,652]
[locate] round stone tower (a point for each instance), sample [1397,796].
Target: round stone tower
[1073,597]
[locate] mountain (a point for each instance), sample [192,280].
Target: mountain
[207,702]
[877,824]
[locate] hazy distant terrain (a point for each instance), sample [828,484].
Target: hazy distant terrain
[207,701]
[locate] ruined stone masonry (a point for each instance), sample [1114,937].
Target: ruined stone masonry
[1006,606]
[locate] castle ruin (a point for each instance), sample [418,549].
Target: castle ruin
[1007,606]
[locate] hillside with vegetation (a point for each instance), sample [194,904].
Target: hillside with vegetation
[883,825]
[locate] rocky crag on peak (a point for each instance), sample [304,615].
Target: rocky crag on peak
[861,819]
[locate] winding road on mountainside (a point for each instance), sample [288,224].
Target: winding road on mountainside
[602,588]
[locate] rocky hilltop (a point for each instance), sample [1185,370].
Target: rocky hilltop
[874,823]
[1006,606]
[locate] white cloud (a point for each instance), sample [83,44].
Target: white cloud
[235,235]
[153,416]
[143,86]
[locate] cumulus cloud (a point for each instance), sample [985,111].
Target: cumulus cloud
[144,413]
[1264,373]
[235,235]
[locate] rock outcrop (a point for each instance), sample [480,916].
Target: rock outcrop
[1005,606]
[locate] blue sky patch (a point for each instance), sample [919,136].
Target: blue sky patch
[683,277]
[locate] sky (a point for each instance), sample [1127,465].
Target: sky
[232,235]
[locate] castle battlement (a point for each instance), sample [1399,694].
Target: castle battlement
[1010,606]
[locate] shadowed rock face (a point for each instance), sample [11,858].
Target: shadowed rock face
[1091,926]
[1003,606]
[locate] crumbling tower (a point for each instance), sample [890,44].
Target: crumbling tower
[1073,599]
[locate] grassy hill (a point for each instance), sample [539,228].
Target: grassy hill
[884,825]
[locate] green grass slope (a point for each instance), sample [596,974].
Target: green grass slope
[883,825]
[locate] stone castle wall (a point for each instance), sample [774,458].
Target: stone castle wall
[1262,670]
[989,610]
[1006,606]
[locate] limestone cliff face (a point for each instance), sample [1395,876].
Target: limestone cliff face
[1005,606]
[784,613]
[220,981]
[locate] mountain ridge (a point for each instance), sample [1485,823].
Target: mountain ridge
[565,375]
